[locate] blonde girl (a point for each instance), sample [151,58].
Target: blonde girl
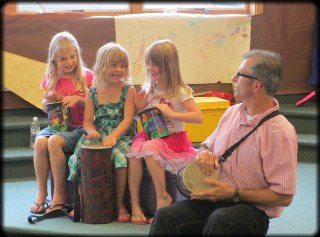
[165,89]
[109,116]
[66,80]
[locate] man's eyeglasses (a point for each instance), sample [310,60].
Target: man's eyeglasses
[248,76]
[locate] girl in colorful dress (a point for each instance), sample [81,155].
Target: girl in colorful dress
[66,80]
[109,116]
[164,89]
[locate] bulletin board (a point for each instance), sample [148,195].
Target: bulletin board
[210,47]
[24,71]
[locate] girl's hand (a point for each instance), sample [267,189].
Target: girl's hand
[91,134]
[51,97]
[109,141]
[69,101]
[166,110]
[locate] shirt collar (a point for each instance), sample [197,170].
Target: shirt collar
[252,123]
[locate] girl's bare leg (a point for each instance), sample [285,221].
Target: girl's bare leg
[56,144]
[41,167]
[159,180]
[121,175]
[135,177]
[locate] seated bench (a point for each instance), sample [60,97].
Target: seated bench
[148,194]
[147,190]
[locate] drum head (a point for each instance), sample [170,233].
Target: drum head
[54,103]
[147,110]
[193,178]
[94,146]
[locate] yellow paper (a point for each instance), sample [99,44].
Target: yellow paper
[23,76]
[209,47]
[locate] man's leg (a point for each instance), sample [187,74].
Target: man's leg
[239,219]
[181,218]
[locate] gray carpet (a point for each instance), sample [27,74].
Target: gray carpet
[300,218]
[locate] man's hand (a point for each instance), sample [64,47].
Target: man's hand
[207,161]
[219,191]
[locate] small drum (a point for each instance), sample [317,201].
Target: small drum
[153,123]
[96,185]
[59,117]
[190,179]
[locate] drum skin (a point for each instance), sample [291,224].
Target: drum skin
[153,123]
[190,179]
[96,187]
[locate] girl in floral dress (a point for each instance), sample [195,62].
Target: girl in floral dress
[109,116]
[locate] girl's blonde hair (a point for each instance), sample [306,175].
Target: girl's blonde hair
[59,42]
[107,55]
[164,54]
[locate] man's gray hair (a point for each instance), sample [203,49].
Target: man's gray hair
[268,68]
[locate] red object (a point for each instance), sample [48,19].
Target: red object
[306,98]
[222,95]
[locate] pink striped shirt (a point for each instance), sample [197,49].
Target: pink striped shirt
[266,159]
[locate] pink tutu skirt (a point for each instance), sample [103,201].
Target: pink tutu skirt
[173,152]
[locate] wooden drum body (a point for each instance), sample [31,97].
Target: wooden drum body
[190,179]
[96,187]
[153,123]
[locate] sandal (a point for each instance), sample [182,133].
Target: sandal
[150,220]
[123,216]
[139,219]
[63,206]
[41,207]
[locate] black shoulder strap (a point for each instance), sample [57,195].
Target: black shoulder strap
[229,151]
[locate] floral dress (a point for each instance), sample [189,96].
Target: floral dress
[107,118]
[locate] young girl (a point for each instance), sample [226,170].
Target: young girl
[66,80]
[165,89]
[109,116]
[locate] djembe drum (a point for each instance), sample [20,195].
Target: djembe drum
[190,179]
[153,123]
[96,185]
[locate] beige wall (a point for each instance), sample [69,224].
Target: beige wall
[286,28]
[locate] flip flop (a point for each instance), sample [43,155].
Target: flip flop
[150,220]
[62,207]
[42,207]
[143,220]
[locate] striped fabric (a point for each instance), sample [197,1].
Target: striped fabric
[266,159]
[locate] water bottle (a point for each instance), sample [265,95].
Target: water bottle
[34,129]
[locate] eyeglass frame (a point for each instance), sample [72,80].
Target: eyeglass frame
[247,76]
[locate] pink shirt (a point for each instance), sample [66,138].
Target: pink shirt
[66,87]
[266,159]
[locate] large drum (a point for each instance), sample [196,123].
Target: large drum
[96,185]
[59,117]
[190,179]
[153,123]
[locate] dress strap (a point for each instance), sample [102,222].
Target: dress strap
[93,95]
[124,93]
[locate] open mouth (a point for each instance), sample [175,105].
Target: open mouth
[116,75]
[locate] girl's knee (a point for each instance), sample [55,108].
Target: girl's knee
[55,142]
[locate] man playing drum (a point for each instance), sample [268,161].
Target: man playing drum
[258,179]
